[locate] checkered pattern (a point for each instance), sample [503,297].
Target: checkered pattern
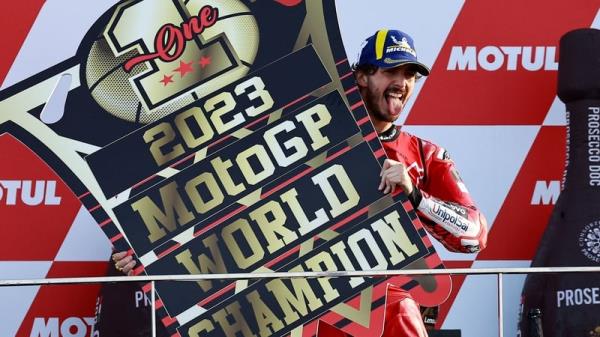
[504,128]
[45,241]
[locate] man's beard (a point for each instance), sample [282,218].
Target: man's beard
[374,111]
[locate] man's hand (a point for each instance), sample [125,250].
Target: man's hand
[394,174]
[124,262]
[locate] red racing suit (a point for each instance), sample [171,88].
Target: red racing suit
[402,315]
[445,208]
[440,197]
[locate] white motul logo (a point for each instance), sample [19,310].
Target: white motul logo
[492,58]
[545,193]
[28,192]
[70,327]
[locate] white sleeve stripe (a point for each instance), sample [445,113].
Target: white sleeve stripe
[440,154]
[447,218]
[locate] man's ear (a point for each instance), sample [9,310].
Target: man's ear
[361,78]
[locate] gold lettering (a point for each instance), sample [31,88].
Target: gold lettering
[274,231]
[205,265]
[216,117]
[241,260]
[367,236]
[156,146]
[315,263]
[295,143]
[181,121]
[313,126]
[153,217]
[203,325]
[394,236]
[339,249]
[294,303]
[337,171]
[239,322]
[267,321]
[290,197]
[221,169]
[259,93]
[202,206]
[260,153]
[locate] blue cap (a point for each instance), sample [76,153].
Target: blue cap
[389,49]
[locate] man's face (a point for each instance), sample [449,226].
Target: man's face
[386,91]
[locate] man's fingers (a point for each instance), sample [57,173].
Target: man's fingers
[391,174]
[126,265]
[122,262]
[384,178]
[386,165]
[389,186]
[128,268]
[118,256]
[387,180]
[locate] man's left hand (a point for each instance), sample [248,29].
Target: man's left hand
[394,174]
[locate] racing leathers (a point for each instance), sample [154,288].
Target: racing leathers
[439,196]
[402,315]
[445,209]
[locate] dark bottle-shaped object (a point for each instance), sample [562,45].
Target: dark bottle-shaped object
[570,302]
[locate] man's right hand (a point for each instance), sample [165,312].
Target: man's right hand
[124,262]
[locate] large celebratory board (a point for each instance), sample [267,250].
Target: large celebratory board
[224,137]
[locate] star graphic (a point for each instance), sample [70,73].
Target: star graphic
[204,61]
[184,68]
[166,80]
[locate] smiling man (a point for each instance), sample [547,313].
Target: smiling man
[386,72]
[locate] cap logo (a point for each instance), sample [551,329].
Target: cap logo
[380,43]
[401,45]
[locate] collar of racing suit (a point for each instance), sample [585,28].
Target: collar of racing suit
[390,134]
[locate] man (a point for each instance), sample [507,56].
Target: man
[386,72]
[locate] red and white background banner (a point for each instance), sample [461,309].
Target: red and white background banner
[490,100]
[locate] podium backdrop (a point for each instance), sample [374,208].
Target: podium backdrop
[490,100]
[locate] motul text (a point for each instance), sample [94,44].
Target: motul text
[28,192]
[545,192]
[68,327]
[492,58]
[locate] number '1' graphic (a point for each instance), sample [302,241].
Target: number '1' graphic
[170,39]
